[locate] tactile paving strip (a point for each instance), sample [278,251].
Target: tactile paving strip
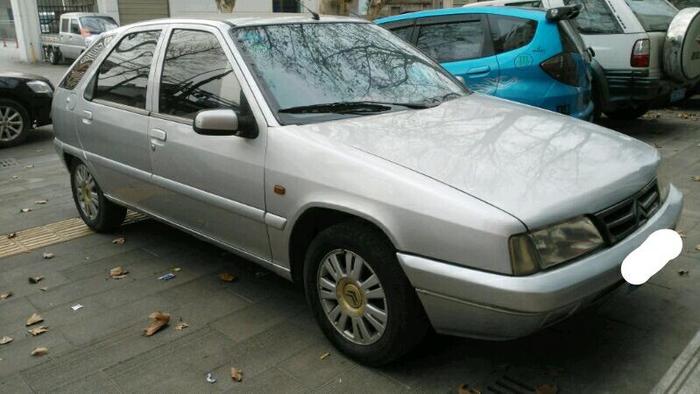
[42,236]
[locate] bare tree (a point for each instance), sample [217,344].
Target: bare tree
[225,5]
[375,8]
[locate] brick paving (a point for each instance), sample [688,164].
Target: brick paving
[260,322]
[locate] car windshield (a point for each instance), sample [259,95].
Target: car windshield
[98,24]
[311,72]
[654,15]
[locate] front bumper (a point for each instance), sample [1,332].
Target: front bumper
[467,302]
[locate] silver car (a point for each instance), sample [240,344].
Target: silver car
[340,157]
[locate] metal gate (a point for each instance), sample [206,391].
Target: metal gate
[50,12]
[131,11]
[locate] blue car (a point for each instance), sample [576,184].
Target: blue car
[528,55]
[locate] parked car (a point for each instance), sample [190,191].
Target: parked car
[342,158]
[648,51]
[77,30]
[25,103]
[516,54]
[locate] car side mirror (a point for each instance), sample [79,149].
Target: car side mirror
[222,122]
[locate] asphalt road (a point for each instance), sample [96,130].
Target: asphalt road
[260,323]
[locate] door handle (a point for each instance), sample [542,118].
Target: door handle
[87,117]
[479,70]
[159,135]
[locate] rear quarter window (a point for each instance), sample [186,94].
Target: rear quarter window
[80,67]
[509,33]
[595,17]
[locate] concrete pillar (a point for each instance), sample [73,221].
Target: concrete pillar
[28,30]
[109,7]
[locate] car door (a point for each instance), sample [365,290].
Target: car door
[519,64]
[462,45]
[211,184]
[113,118]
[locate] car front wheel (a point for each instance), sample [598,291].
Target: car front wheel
[360,296]
[96,211]
[14,123]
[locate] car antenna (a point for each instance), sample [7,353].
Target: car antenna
[314,15]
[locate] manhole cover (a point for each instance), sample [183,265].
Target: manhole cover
[7,163]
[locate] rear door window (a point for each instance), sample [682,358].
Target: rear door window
[80,67]
[509,33]
[64,25]
[654,15]
[595,17]
[404,33]
[196,75]
[123,76]
[446,42]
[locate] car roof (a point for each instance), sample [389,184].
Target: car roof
[261,20]
[529,13]
[79,14]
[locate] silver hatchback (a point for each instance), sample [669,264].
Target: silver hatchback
[340,157]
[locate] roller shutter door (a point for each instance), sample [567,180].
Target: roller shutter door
[131,11]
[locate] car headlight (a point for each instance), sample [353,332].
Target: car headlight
[663,181]
[40,87]
[553,245]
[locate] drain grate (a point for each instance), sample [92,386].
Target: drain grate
[7,163]
[42,236]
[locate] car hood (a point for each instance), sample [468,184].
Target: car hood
[539,166]
[24,76]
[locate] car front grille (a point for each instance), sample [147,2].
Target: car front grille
[623,218]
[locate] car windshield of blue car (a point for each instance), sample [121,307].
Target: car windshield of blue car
[312,72]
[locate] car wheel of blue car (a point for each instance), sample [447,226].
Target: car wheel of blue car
[359,294]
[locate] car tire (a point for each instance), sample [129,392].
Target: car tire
[376,316]
[627,113]
[14,123]
[54,56]
[94,208]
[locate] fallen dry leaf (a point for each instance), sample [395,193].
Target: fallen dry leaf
[324,356]
[38,330]
[158,321]
[546,389]
[76,307]
[118,241]
[5,340]
[43,288]
[697,247]
[5,295]
[696,178]
[41,202]
[118,273]
[681,233]
[29,166]
[34,318]
[177,269]
[35,279]
[40,351]
[25,210]
[236,374]
[683,272]
[227,277]
[11,235]
[181,326]
[48,255]
[465,389]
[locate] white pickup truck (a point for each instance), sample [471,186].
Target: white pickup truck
[76,31]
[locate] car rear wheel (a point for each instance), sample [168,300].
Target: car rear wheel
[96,211]
[360,296]
[14,123]
[626,114]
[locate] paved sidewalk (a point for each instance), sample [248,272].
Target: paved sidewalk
[684,375]
[260,322]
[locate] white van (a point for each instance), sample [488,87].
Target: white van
[648,51]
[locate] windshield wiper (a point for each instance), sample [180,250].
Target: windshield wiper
[350,107]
